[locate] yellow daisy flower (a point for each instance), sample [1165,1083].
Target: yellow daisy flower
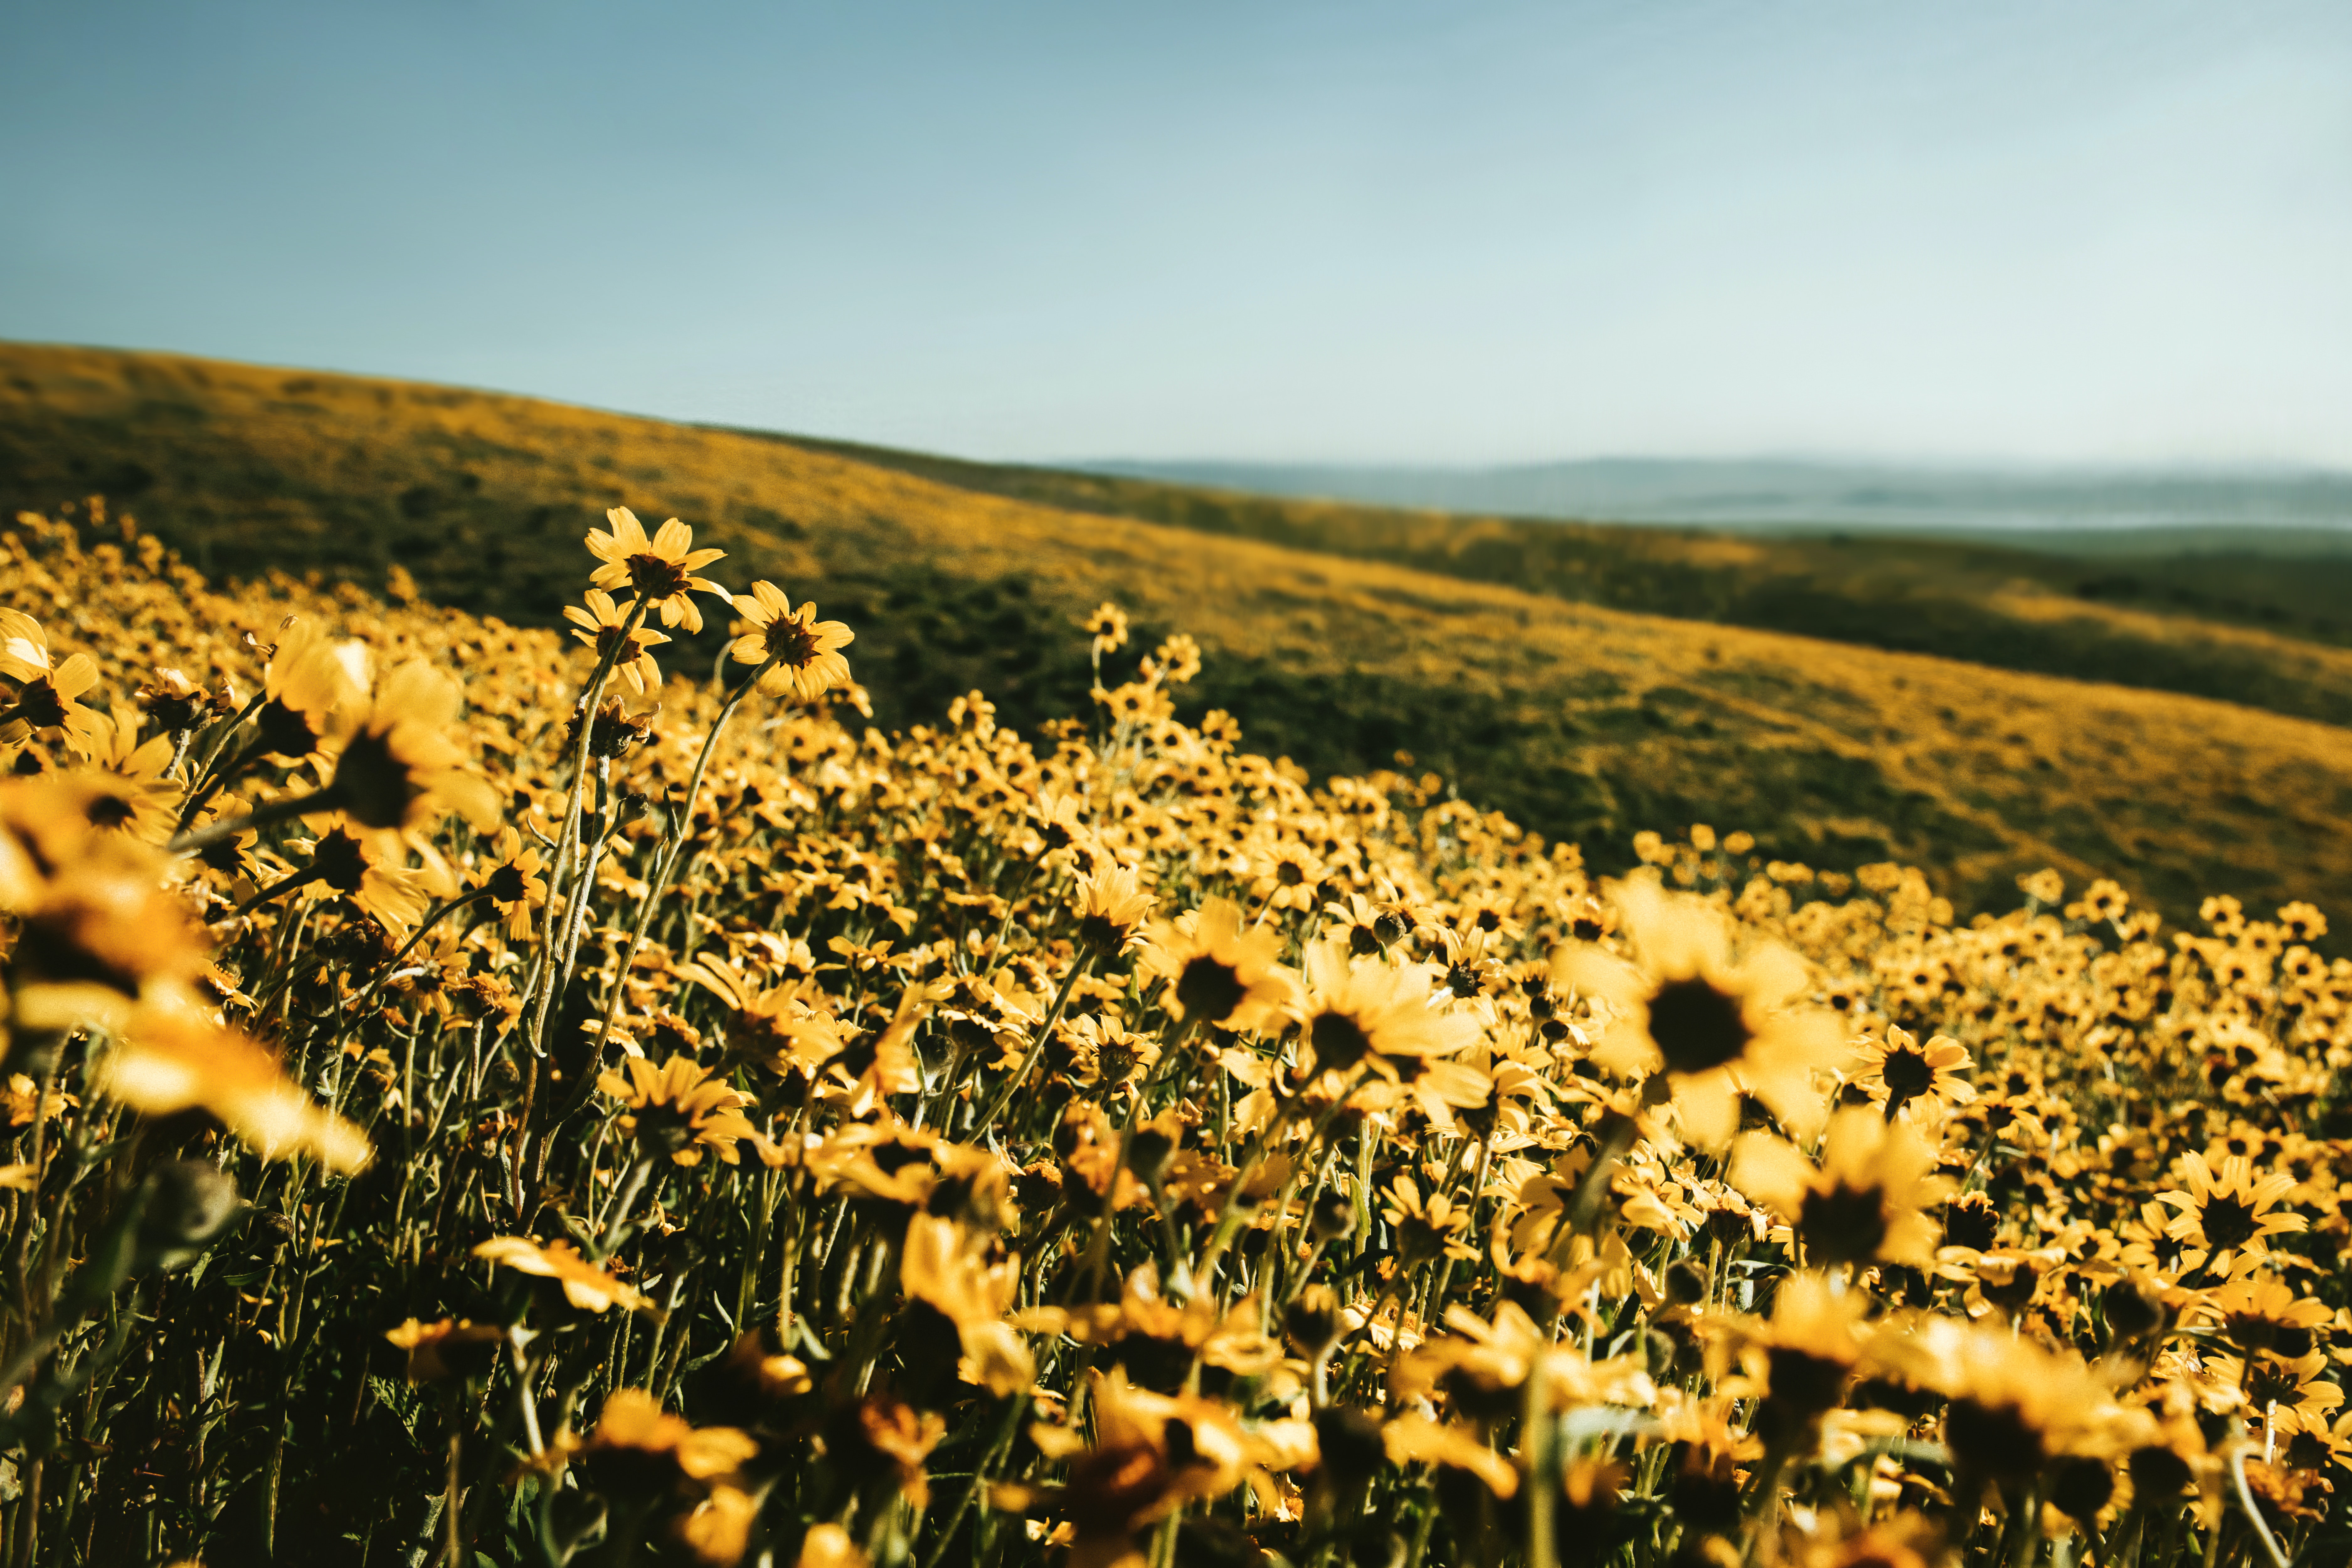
[658,572]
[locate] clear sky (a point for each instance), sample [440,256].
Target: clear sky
[1364,231]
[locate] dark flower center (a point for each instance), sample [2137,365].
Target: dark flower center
[338,863]
[2081,1487]
[1208,990]
[1971,1222]
[655,578]
[2269,1380]
[40,706]
[110,811]
[1696,1026]
[285,731]
[618,644]
[2229,1222]
[790,642]
[506,885]
[1908,1075]
[2158,1472]
[1842,1225]
[1418,1241]
[372,784]
[1993,1440]
[1804,1382]
[1116,1061]
[1339,1041]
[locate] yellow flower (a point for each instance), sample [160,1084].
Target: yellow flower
[1898,1070]
[829,1546]
[22,1100]
[677,1108]
[604,627]
[171,1059]
[1362,1008]
[1416,1440]
[2015,1407]
[1110,906]
[2258,1315]
[313,687]
[132,792]
[942,1265]
[1152,1455]
[1219,972]
[46,692]
[1426,1229]
[1806,1352]
[361,869]
[1108,626]
[635,1429]
[585,1286]
[1285,874]
[658,571]
[719,1530]
[1715,1016]
[515,883]
[801,652]
[785,1028]
[2227,1216]
[97,931]
[400,771]
[454,1347]
[1866,1200]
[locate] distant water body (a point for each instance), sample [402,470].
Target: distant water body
[1777,495]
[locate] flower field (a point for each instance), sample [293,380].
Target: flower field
[488,1094]
[1602,685]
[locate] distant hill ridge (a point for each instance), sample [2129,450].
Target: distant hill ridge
[1591,681]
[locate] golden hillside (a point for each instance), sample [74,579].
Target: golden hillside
[1578,720]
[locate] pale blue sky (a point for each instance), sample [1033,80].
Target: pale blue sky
[1364,231]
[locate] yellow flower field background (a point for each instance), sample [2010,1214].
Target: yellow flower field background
[1338,636]
[609,1090]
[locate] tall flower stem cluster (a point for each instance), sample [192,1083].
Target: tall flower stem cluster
[471,1098]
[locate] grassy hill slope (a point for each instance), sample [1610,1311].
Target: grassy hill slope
[2192,610]
[1581,720]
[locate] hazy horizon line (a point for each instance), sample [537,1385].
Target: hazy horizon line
[1973,465]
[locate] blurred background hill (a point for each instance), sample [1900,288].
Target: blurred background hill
[2169,707]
